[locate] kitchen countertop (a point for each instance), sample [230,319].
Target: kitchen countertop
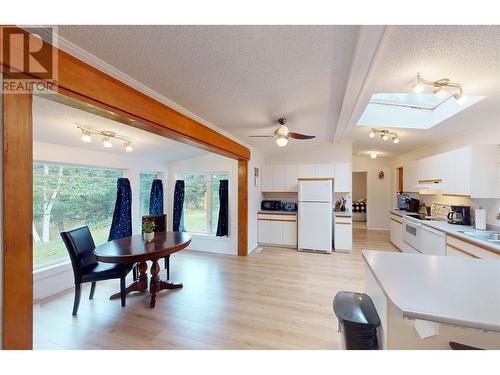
[454,230]
[279,212]
[450,290]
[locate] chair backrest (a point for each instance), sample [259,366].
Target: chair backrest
[159,220]
[80,246]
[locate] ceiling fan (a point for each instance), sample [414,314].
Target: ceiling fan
[282,134]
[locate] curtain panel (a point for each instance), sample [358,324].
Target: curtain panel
[178,216]
[121,226]
[222,224]
[156,198]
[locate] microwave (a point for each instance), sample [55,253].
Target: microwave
[270,205]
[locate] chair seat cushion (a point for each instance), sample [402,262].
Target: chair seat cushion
[105,271]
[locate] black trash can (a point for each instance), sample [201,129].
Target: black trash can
[358,320]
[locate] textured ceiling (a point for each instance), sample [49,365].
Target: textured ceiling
[55,123]
[242,78]
[469,55]
[239,78]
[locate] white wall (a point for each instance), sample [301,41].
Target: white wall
[378,190]
[203,164]
[254,197]
[485,135]
[326,152]
[53,279]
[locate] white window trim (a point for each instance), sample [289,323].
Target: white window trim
[209,204]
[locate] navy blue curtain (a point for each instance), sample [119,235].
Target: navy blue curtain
[122,217]
[156,198]
[222,224]
[178,217]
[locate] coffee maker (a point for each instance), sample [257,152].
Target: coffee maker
[459,215]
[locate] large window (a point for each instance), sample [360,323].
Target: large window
[201,201]
[145,182]
[66,197]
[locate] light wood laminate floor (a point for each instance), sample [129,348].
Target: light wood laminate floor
[274,299]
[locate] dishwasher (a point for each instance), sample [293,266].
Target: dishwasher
[433,241]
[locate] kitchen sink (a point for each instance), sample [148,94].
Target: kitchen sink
[483,235]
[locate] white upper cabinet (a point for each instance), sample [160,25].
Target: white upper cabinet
[291,178]
[306,171]
[470,171]
[278,178]
[324,170]
[343,177]
[316,171]
[267,178]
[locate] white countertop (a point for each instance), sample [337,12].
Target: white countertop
[451,290]
[454,229]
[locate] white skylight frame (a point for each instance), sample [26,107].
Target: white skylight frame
[385,114]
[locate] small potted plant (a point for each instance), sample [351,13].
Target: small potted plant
[148,228]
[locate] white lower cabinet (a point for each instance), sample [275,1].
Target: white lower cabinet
[277,230]
[457,247]
[397,231]
[343,234]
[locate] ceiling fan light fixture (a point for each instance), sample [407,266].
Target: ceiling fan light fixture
[281,140]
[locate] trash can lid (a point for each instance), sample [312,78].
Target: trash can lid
[357,308]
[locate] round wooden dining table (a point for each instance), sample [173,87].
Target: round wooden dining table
[134,249]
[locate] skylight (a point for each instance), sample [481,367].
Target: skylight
[411,111]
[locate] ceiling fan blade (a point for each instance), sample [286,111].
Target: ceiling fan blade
[261,136]
[300,136]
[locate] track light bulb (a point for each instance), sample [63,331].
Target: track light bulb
[128,147]
[418,88]
[106,142]
[86,136]
[371,134]
[461,99]
[441,93]
[395,139]
[373,155]
[385,137]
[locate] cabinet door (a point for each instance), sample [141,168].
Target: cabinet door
[410,176]
[278,178]
[291,178]
[324,171]
[343,235]
[306,171]
[276,235]
[267,178]
[263,231]
[290,233]
[343,177]
[461,170]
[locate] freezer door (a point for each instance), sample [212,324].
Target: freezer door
[315,191]
[315,226]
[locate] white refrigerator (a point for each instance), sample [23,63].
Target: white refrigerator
[315,215]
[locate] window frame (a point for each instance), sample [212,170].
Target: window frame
[159,176]
[65,259]
[209,232]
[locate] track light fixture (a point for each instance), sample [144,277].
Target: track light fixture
[384,134]
[106,137]
[439,88]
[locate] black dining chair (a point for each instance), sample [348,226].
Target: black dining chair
[86,268]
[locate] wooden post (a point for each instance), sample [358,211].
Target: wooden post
[242,207]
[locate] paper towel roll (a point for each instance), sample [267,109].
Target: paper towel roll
[480,214]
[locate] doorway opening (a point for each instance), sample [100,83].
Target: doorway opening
[359,199]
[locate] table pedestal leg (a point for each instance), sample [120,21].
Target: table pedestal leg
[137,286]
[156,284]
